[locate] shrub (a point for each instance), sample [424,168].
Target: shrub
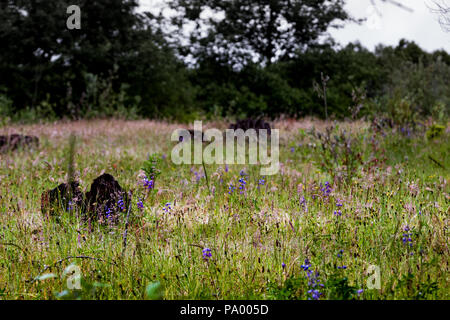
[435,131]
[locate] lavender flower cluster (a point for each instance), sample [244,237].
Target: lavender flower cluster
[314,282]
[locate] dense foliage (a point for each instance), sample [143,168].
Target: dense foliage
[259,60]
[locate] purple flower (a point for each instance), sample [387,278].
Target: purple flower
[242,184]
[108,212]
[306,266]
[339,255]
[149,184]
[140,204]
[231,188]
[70,206]
[360,291]
[407,236]
[313,281]
[121,205]
[261,182]
[342,267]
[167,207]
[315,294]
[292,149]
[326,189]
[303,204]
[283,265]
[206,253]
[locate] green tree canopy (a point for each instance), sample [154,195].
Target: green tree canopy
[238,31]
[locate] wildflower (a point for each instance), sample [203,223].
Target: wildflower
[407,236]
[242,184]
[292,149]
[70,206]
[313,281]
[342,267]
[326,189]
[315,294]
[303,204]
[206,254]
[231,188]
[167,207]
[360,291]
[121,205]
[338,213]
[242,173]
[261,182]
[140,204]
[198,176]
[283,265]
[339,255]
[306,266]
[108,212]
[226,168]
[149,184]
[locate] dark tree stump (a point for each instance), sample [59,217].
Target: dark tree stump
[16,141]
[106,200]
[64,197]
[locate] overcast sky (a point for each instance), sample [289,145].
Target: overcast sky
[421,25]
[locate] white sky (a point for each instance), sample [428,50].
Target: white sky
[421,26]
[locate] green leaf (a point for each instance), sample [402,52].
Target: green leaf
[154,291]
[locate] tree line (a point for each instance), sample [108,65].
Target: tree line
[212,58]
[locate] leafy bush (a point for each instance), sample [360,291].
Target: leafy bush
[435,131]
[291,289]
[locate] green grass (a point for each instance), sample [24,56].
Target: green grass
[251,235]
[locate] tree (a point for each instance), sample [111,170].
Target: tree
[115,50]
[240,31]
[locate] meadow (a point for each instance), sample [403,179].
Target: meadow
[349,207]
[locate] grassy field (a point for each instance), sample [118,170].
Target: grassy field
[313,231]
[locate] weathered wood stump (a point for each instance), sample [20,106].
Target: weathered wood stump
[65,197]
[17,141]
[106,200]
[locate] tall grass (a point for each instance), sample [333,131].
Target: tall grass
[259,235]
